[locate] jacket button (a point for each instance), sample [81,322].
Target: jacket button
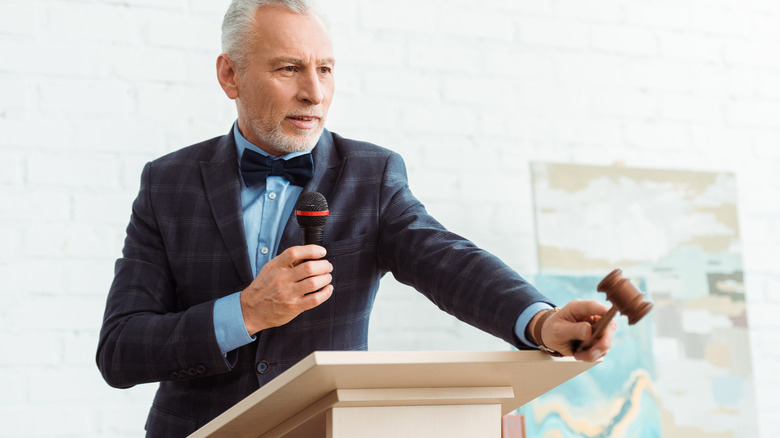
[200,369]
[191,372]
[182,374]
[262,367]
[174,375]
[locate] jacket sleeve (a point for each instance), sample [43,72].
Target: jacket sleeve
[145,336]
[456,275]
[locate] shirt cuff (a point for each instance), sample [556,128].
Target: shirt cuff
[229,323]
[525,318]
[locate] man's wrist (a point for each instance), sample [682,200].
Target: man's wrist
[538,325]
[229,324]
[523,322]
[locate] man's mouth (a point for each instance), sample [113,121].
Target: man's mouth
[304,121]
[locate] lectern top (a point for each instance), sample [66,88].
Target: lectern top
[528,373]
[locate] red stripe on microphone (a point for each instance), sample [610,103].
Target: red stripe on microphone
[312,213]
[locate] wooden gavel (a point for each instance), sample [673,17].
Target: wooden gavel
[625,297]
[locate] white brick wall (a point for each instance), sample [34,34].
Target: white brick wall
[92,89]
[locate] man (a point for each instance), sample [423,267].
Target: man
[214,298]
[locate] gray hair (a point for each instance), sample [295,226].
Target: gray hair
[240,17]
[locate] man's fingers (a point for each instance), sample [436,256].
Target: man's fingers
[314,267]
[582,310]
[312,284]
[601,347]
[581,331]
[296,255]
[604,343]
[574,323]
[311,268]
[314,299]
[564,332]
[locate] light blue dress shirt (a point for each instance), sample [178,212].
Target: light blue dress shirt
[266,208]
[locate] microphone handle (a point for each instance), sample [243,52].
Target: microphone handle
[312,235]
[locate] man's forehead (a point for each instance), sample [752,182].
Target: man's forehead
[278,19]
[281,32]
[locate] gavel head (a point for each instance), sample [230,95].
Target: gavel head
[625,296]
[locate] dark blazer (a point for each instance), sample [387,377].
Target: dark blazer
[185,248]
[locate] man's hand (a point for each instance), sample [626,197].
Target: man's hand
[573,322]
[291,283]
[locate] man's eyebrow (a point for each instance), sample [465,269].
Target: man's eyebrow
[298,61]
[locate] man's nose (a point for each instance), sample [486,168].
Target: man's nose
[310,87]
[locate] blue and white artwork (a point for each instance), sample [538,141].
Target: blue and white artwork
[688,363]
[614,398]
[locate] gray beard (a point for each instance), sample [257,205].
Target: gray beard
[289,144]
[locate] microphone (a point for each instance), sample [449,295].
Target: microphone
[311,210]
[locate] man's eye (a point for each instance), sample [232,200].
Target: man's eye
[325,70]
[288,68]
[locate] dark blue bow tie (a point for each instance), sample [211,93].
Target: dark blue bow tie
[255,168]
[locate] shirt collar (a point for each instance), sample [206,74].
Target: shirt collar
[242,143]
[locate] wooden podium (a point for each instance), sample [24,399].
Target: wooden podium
[351,394]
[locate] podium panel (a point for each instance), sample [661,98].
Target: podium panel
[335,394]
[447,421]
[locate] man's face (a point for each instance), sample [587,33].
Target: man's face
[286,85]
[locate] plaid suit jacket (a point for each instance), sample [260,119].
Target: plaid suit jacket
[185,248]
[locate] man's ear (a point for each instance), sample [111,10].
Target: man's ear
[227,75]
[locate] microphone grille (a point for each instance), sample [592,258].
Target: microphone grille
[308,203]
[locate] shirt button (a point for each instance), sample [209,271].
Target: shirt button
[264,250]
[272,195]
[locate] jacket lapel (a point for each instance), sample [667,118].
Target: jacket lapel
[223,189]
[326,173]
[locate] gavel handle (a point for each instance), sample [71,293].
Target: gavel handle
[598,330]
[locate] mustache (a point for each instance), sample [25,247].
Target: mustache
[307,113]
